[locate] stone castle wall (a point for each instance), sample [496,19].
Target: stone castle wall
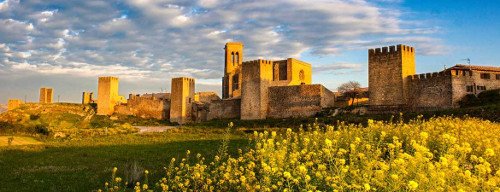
[430,91]
[206,97]
[298,100]
[155,106]
[224,109]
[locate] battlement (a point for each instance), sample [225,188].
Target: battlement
[183,79]
[108,78]
[149,96]
[428,76]
[391,50]
[234,43]
[258,61]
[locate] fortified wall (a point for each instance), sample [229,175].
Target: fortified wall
[156,105]
[431,91]
[299,100]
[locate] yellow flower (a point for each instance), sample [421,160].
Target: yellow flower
[489,152]
[287,174]
[367,187]
[303,169]
[394,176]
[424,135]
[328,142]
[412,185]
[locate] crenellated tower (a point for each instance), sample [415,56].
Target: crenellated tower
[231,82]
[390,70]
[257,78]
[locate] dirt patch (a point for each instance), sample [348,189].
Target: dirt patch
[150,129]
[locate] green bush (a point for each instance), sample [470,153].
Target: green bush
[469,100]
[489,96]
[100,121]
[34,117]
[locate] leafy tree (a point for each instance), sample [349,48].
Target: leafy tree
[350,90]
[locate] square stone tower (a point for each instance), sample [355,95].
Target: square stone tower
[107,95]
[182,98]
[87,97]
[46,95]
[257,77]
[231,82]
[389,71]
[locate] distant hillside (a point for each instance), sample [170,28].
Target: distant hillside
[60,120]
[3,108]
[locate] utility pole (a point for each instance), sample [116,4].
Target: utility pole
[58,97]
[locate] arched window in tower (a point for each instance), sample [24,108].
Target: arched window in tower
[232,57]
[237,58]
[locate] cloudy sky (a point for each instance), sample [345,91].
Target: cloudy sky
[68,44]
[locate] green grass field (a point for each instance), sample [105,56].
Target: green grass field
[83,164]
[83,160]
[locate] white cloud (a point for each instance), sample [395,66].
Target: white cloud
[44,16]
[337,67]
[7,3]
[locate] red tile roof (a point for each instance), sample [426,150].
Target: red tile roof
[475,68]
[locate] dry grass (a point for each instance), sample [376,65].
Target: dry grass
[18,140]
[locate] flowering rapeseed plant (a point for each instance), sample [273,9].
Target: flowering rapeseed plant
[442,154]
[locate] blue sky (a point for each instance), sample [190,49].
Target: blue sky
[68,44]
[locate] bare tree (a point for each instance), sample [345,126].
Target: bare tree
[350,90]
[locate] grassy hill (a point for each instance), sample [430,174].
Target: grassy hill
[64,120]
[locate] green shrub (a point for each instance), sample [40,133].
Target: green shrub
[489,96]
[469,100]
[34,117]
[100,121]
